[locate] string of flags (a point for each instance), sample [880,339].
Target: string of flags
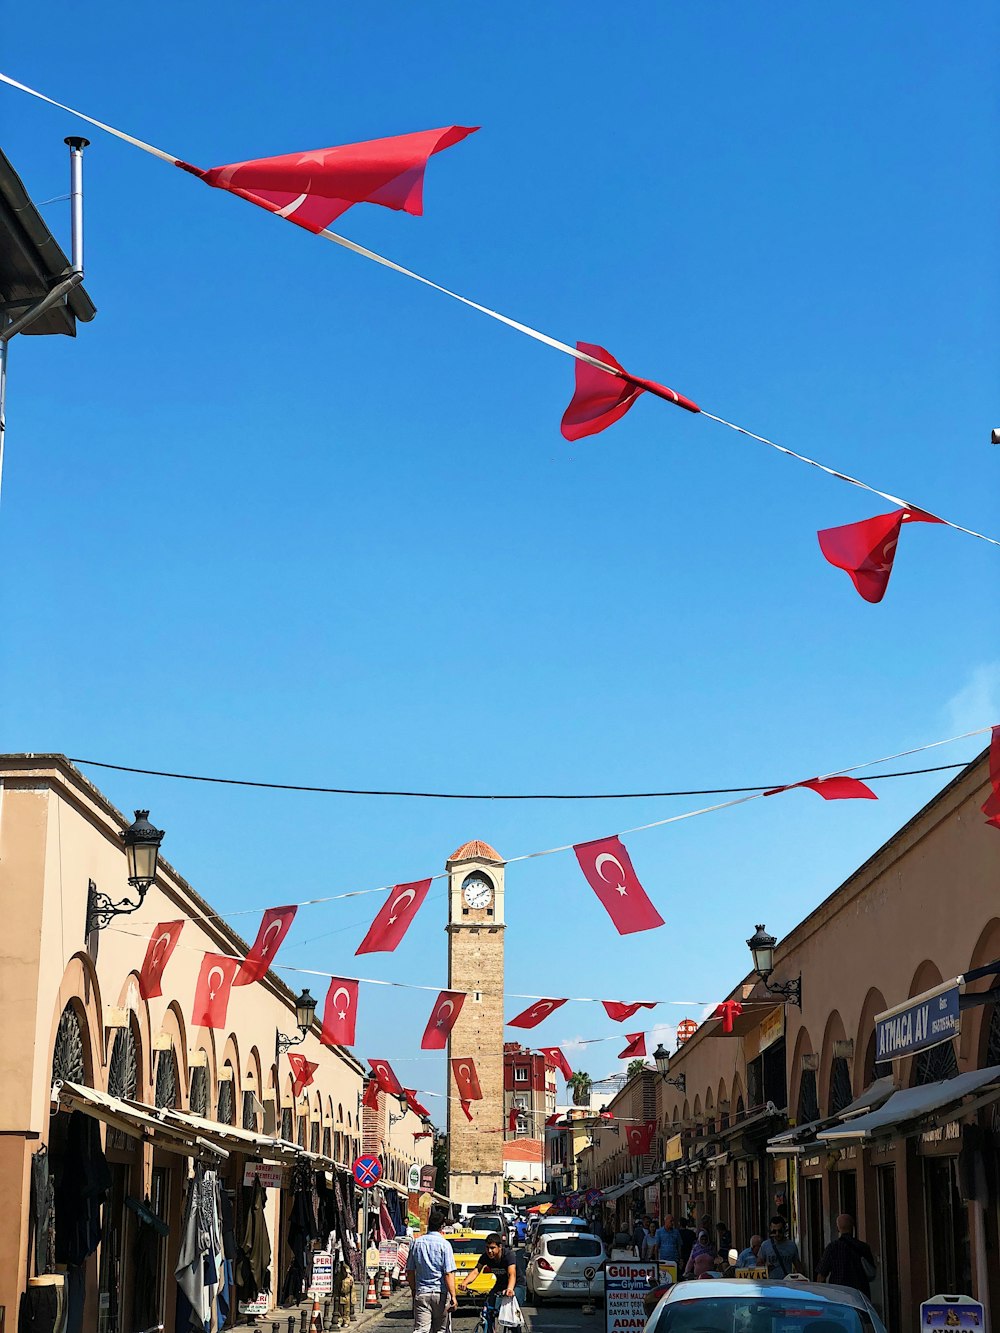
[312,189]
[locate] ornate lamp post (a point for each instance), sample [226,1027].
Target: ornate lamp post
[142,850]
[761,946]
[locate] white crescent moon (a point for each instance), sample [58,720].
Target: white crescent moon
[406,896]
[544,1007]
[222,976]
[602,861]
[290,208]
[382,1071]
[342,990]
[160,939]
[275,926]
[447,1005]
[465,1071]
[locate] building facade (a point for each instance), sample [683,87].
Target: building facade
[164,1092]
[529,1091]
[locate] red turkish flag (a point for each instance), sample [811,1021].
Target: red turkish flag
[370,1098]
[636,1046]
[512,1120]
[302,1072]
[411,1097]
[466,1108]
[444,1015]
[832,789]
[535,1014]
[727,1011]
[553,1119]
[393,918]
[274,927]
[313,188]
[340,1013]
[161,945]
[618,1013]
[601,398]
[211,995]
[554,1056]
[467,1080]
[609,872]
[640,1138]
[867,549]
[991,806]
[385,1078]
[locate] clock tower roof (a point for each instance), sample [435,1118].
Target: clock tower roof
[476,851]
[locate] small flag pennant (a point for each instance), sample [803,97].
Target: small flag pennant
[340,1013]
[618,1012]
[535,1014]
[727,1011]
[555,1057]
[467,1080]
[444,1015]
[640,1138]
[636,1047]
[832,789]
[394,917]
[867,549]
[385,1078]
[161,945]
[211,996]
[274,926]
[302,1072]
[602,397]
[609,872]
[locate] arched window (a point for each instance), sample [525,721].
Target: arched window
[328,1143]
[226,1114]
[165,1095]
[287,1129]
[935,1064]
[198,1098]
[993,1038]
[314,1136]
[841,1094]
[123,1081]
[808,1098]
[68,1063]
[302,1131]
[249,1111]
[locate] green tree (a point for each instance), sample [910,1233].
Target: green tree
[580,1082]
[635,1067]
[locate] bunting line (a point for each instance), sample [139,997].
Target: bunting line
[526,329]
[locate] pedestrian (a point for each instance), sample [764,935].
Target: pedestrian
[724,1239]
[667,1241]
[639,1230]
[430,1274]
[779,1251]
[847,1260]
[702,1247]
[687,1231]
[520,1231]
[648,1247]
[748,1258]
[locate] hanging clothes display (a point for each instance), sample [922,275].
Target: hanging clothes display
[253,1260]
[347,1215]
[326,1208]
[301,1233]
[42,1236]
[199,1263]
[82,1185]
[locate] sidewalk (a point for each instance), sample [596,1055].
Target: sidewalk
[397,1307]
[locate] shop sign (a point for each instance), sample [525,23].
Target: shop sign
[943,1133]
[651,1198]
[810,1161]
[918,1024]
[270,1174]
[741,1174]
[772,1028]
[674,1150]
[258,1306]
[625,1284]
[413,1177]
[760,1274]
[729,1176]
[952,1312]
[780,1170]
[322,1273]
[428,1178]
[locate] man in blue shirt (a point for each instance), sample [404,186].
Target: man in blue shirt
[430,1272]
[748,1258]
[667,1241]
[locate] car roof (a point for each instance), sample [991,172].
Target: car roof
[832,1295]
[563,1219]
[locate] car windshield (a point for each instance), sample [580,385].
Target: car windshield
[760,1314]
[574,1247]
[563,1226]
[488,1222]
[467,1246]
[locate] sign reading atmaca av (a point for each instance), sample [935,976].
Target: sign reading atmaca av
[916,1025]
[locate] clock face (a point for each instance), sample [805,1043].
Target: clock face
[477,891]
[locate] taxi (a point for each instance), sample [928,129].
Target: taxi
[468,1245]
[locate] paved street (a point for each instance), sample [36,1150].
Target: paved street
[550,1319]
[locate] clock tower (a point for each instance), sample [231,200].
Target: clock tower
[475,965]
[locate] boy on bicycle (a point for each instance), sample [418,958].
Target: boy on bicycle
[498,1259]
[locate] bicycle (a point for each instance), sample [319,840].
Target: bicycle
[490,1308]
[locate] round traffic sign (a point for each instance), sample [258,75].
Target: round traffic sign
[367,1171]
[590,1273]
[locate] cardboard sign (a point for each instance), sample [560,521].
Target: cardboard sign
[259,1306]
[751,1272]
[270,1174]
[322,1273]
[626,1282]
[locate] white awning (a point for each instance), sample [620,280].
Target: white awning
[233,1137]
[913,1104]
[136,1120]
[802,1138]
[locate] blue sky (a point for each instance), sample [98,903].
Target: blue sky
[278,513]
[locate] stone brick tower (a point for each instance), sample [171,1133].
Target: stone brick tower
[475,964]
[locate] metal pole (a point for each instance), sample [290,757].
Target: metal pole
[364,1242]
[3,393]
[76,146]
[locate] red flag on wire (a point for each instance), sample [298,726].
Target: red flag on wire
[640,1138]
[211,995]
[340,1013]
[385,1078]
[636,1046]
[557,1115]
[867,549]
[393,918]
[418,1107]
[832,789]
[274,926]
[302,1072]
[991,806]
[601,398]
[512,1120]
[466,1108]
[370,1098]
[447,1008]
[554,1056]
[609,872]
[161,945]
[467,1080]
[727,1011]
[314,188]
[535,1014]
[618,1012]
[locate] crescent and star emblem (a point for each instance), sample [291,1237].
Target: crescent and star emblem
[464,1071]
[342,990]
[162,943]
[888,553]
[407,896]
[605,859]
[445,1010]
[222,977]
[276,927]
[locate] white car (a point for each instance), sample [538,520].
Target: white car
[566,1265]
[548,1226]
[745,1303]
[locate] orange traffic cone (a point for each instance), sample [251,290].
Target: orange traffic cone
[386,1285]
[371,1299]
[317,1318]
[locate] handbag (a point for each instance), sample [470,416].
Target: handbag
[868,1268]
[509,1314]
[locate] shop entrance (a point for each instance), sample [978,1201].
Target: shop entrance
[847,1193]
[814,1222]
[889,1246]
[949,1258]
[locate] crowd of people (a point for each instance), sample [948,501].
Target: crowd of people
[700,1249]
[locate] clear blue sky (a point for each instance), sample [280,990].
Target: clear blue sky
[278,513]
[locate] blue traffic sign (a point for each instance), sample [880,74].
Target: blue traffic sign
[367,1171]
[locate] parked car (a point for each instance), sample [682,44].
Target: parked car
[467,1246]
[547,1226]
[567,1265]
[489,1222]
[730,1305]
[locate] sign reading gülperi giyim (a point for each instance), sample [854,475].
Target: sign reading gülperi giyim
[915,1025]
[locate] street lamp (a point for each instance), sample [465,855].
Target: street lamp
[404,1107]
[761,946]
[305,1012]
[661,1058]
[142,849]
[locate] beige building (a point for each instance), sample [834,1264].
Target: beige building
[165,1092]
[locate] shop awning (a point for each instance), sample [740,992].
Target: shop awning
[628,1186]
[914,1104]
[136,1120]
[231,1137]
[802,1138]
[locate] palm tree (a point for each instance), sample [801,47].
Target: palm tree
[580,1082]
[635,1067]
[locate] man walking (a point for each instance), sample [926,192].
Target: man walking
[430,1273]
[847,1260]
[779,1252]
[667,1243]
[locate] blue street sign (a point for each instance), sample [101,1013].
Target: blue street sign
[367,1171]
[926,1020]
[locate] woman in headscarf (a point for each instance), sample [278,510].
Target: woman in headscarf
[702,1246]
